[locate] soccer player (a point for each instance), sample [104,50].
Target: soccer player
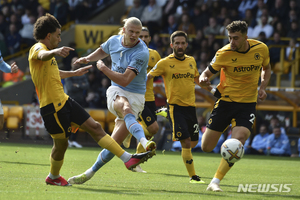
[148,118]
[241,62]
[126,95]
[13,68]
[60,113]
[180,74]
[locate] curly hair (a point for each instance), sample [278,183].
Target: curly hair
[237,26]
[44,25]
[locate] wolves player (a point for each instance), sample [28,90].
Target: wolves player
[241,62]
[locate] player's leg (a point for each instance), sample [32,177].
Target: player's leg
[56,125]
[148,121]
[124,110]
[101,137]
[210,139]
[241,128]
[240,133]
[56,162]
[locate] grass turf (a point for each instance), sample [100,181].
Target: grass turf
[23,169]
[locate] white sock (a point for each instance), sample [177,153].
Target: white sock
[143,142]
[125,157]
[53,177]
[89,173]
[215,180]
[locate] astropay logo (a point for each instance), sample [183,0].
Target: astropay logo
[264,187]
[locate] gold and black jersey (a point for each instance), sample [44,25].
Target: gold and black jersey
[178,78]
[154,57]
[240,71]
[46,78]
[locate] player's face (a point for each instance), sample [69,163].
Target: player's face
[132,33]
[238,41]
[179,46]
[145,37]
[55,39]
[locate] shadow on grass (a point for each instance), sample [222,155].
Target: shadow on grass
[132,191]
[23,163]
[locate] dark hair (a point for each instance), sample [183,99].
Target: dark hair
[237,26]
[44,25]
[176,34]
[144,28]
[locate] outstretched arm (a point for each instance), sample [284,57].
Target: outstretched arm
[79,72]
[98,54]
[13,68]
[47,55]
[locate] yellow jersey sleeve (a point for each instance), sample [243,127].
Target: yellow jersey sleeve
[154,57]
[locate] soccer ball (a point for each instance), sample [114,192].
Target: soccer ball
[232,150]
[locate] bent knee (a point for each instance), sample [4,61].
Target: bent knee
[206,148]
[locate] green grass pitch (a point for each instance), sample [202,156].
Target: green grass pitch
[23,169]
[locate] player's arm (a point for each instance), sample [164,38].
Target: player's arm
[13,68]
[98,54]
[79,72]
[120,79]
[205,83]
[265,77]
[44,55]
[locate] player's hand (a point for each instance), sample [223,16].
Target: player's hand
[204,81]
[14,68]
[64,51]
[262,95]
[83,70]
[100,65]
[82,60]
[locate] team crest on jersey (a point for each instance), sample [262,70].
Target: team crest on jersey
[152,59]
[191,66]
[256,56]
[172,66]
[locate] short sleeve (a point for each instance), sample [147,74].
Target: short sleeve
[139,60]
[158,69]
[35,50]
[106,46]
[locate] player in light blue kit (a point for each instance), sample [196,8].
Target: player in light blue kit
[125,96]
[13,68]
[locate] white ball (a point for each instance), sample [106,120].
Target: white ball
[232,150]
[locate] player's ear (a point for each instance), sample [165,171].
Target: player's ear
[48,36]
[171,45]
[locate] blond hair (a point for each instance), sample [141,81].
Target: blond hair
[131,20]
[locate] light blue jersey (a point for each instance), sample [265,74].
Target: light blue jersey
[260,142]
[135,58]
[280,145]
[4,66]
